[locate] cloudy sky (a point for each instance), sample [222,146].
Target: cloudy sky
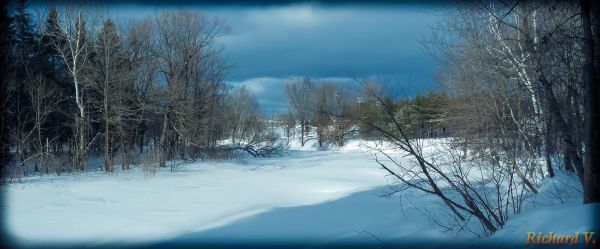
[269,45]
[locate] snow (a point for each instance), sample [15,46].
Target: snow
[559,219]
[556,208]
[309,195]
[202,198]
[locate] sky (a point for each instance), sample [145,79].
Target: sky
[269,45]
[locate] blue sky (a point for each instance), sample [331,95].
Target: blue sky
[269,45]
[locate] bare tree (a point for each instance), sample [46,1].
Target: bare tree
[289,123]
[321,110]
[524,24]
[70,40]
[444,173]
[182,41]
[44,99]
[245,123]
[247,127]
[300,101]
[142,73]
[110,63]
[332,113]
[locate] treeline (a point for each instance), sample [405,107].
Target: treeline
[79,84]
[336,112]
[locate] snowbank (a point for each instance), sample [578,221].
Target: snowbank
[557,209]
[558,219]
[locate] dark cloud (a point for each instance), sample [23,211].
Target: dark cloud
[317,41]
[268,44]
[323,42]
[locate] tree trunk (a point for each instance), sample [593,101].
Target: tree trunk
[47,153]
[571,109]
[40,144]
[548,146]
[591,183]
[81,159]
[566,135]
[78,156]
[547,92]
[107,157]
[125,157]
[141,133]
[302,128]
[567,161]
[554,110]
[161,145]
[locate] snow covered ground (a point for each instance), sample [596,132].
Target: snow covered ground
[309,196]
[557,208]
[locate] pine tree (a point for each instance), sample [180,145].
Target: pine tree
[6,39]
[24,35]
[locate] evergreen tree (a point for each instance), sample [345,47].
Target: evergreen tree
[6,39]
[24,70]
[24,35]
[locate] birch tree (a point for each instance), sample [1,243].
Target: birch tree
[74,50]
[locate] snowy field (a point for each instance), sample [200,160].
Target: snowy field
[308,196]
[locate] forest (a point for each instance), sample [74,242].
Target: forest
[516,102]
[155,92]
